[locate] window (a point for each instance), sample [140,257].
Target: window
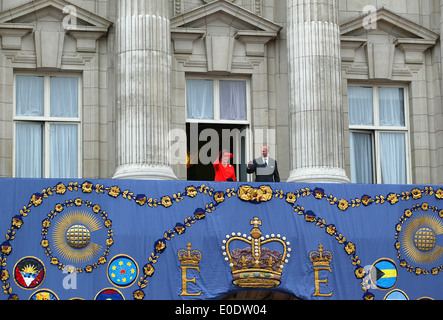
[217,112]
[378,134]
[47,126]
[217,100]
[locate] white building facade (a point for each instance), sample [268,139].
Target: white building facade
[341,91]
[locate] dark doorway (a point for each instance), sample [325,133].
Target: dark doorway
[206,140]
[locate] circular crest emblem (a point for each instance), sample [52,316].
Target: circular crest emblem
[29,273]
[109,294]
[122,271]
[43,294]
[396,295]
[384,274]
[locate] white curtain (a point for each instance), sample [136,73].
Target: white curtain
[391,106]
[28,150]
[64,97]
[393,158]
[392,145]
[200,99]
[233,100]
[360,103]
[29,95]
[64,151]
[361,157]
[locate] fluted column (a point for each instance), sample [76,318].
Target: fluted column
[316,117]
[143,89]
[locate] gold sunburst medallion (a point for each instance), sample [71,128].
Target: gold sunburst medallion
[72,236]
[418,239]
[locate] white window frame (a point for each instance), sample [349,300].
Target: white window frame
[376,129]
[216,84]
[46,120]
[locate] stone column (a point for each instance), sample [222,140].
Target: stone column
[316,115]
[143,90]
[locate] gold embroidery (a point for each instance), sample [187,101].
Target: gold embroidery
[256,266]
[247,193]
[189,261]
[320,261]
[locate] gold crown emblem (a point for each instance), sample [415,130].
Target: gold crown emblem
[189,257]
[256,266]
[320,257]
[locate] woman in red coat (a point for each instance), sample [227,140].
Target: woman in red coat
[224,171]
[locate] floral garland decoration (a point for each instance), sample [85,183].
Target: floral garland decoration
[253,195]
[86,187]
[365,200]
[348,246]
[161,245]
[180,228]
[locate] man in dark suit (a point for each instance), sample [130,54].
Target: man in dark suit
[265,168]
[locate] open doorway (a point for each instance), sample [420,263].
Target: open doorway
[206,140]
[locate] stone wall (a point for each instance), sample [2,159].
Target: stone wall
[409,29]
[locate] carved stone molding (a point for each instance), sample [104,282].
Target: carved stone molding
[414,49]
[183,39]
[348,47]
[255,41]
[409,38]
[49,37]
[258,7]
[247,29]
[380,68]
[87,37]
[219,51]
[49,48]
[177,7]
[12,34]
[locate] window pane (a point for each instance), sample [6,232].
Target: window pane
[360,102]
[200,99]
[28,150]
[361,157]
[29,96]
[64,151]
[233,100]
[393,158]
[64,97]
[392,111]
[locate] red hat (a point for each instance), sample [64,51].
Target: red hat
[228,154]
